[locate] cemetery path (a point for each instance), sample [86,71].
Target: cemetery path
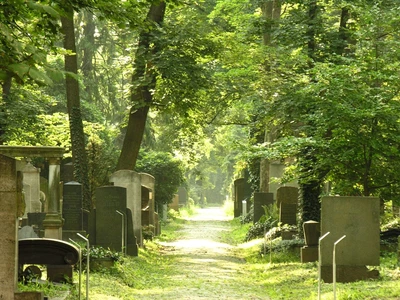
[204,267]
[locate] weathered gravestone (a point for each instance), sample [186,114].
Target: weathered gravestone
[358,219]
[109,233]
[31,181]
[309,253]
[131,181]
[72,210]
[287,198]
[261,200]
[242,192]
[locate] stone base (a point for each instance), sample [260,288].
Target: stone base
[348,273]
[309,254]
[28,296]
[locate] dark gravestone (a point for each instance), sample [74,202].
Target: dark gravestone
[109,200]
[36,221]
[132,246]
[287,198]
[288,214]
[242,191]
[72,206]
[260,200]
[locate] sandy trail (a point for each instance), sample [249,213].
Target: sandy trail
[207,268]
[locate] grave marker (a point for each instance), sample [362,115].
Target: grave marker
[358,219]
[109,199]
[287,198]
[260,200]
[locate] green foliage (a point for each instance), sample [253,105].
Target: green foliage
[259,229]
[167,171]
[100,252]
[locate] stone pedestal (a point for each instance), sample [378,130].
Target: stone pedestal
[348,273]
[309,254]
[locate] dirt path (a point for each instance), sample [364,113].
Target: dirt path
[205,267]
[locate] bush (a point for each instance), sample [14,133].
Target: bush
[260,228]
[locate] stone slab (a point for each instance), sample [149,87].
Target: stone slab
[358,219]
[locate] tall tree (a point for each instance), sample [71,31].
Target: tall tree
[74,107]
[144,82]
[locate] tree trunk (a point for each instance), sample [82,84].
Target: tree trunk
[310,187]
[88,52]
[141,96]
[271,11]
[74,111]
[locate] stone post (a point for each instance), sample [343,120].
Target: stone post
[8,225]
[53,221]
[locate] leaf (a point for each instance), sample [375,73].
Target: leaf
[39,76]
[20,69]
[55,74]
[51,11]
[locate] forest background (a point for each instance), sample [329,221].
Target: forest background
[206,91]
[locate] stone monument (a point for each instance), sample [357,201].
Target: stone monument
[287,198]
[358,219]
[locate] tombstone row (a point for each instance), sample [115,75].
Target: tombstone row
[357,218]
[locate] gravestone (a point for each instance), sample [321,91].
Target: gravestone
[131,181]
[260,200]
[358,219]
[109,232]
[242,191]
[109,199]
[309,253]
[31,182]
[287,198]
[148,182]
[72,210]
[8,227]
[36,221]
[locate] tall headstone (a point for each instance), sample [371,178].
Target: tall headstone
[242,192]
[109,200]
[8,227]
[358,219]
[261,200]
[31,181]
[110,203]
[131,181]
[72,210]
[287,198]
